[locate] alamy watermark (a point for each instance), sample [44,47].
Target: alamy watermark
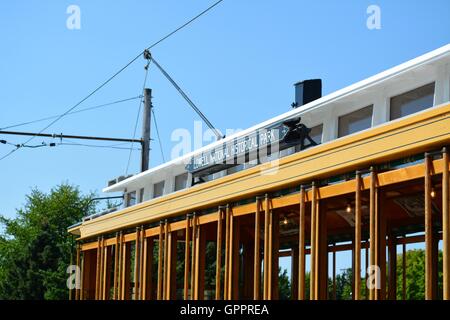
[374,19]
[73,21]
[74,279]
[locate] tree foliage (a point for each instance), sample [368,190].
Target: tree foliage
[35,248]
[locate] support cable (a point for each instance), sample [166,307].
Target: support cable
[103,84]
[189,101]
[157,134]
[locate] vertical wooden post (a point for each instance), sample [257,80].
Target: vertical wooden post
[116,267]
[171,284]
[165,259]
[257,254]
[334,271]
[372,218]
[227,253]
[317,256]
[126,294]
[100,269]
[404,270]
[219,253]
[445,226]
[141,263]
[266,248]
[119,270]
[200,260]
[144,266]
[159,292]
[193,259]
[186,258]
[301,246]
[270,260]
[105,276]
[357,271]
[97,271]
[392,258]
[428,231]
[83,271]
[365,273]
[137,249]
[231,255]
[312,275]
[167,263]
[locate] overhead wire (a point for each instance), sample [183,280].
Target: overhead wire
[96,146]
[104,83]
[157,134]
[74,112]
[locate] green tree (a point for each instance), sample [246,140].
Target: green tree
[35,248]
[284,285]
[415,275]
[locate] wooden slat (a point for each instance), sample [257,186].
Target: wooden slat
[186,257]
[159,292]
[193,259]
[266,248]
[428,231]
[445,227]
[312,286]
[219,253]
[116,267]
[227,253]
[231,239]
[334,271]
[137,249]
[372,217]
[357,271]
[301,246]
[257,253]
[145,261]
[166,260]
[120,265]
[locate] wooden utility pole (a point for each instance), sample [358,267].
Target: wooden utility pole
[146,126]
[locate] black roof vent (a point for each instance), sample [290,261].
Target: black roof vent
[307,91]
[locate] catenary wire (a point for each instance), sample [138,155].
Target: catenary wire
[74,112]
[103,84]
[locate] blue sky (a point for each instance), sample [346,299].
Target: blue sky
[238,63]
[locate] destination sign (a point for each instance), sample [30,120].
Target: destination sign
[239,150]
